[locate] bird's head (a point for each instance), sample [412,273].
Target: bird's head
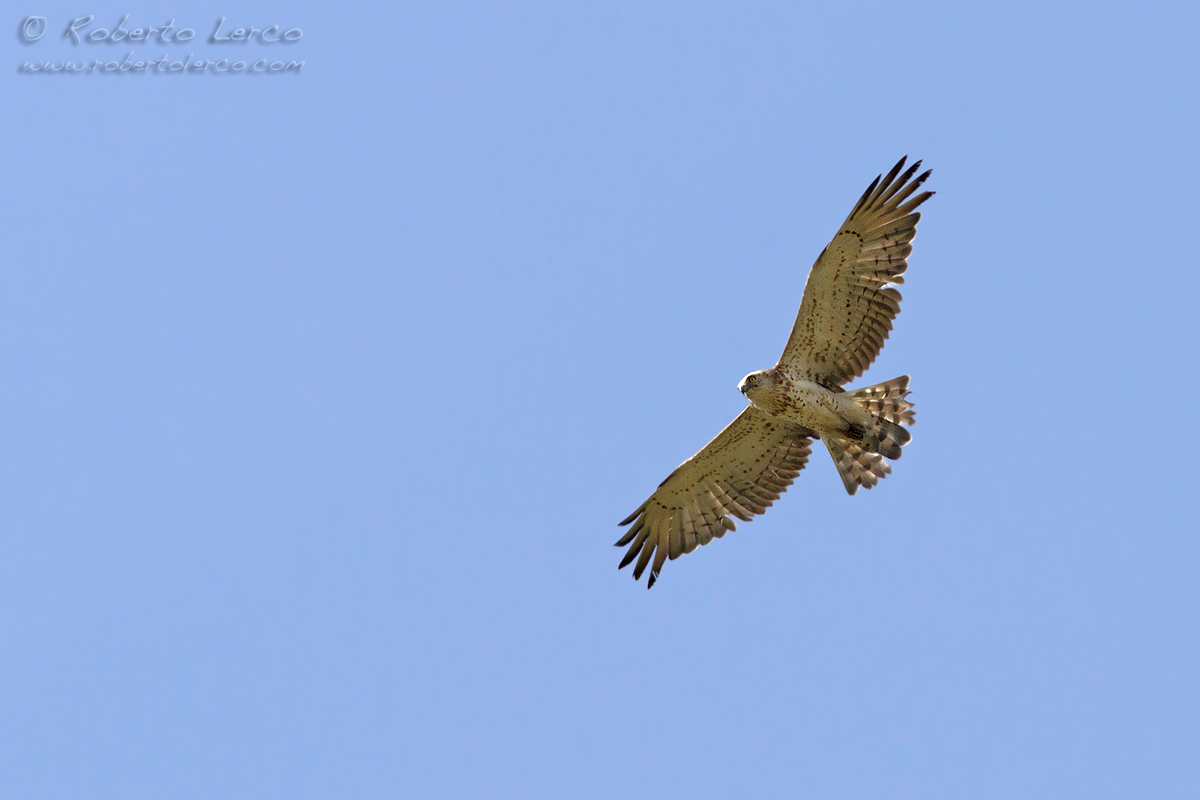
[753,384]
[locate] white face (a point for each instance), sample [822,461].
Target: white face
[751,381]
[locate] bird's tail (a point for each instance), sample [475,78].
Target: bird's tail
[860,460]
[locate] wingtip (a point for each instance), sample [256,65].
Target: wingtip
[632,516]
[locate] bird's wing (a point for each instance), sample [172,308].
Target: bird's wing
[847,310]
[739,473]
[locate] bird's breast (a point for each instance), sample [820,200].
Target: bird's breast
[809,404]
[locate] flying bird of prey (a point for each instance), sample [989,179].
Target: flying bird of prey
[844,317]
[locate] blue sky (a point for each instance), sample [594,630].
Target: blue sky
[323,394]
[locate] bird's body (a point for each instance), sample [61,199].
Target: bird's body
[844,318]
[804,402]
[829,414]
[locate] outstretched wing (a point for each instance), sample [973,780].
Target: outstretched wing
[739,473]
[847,310]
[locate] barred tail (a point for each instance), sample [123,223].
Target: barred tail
[861,463]
[886,401]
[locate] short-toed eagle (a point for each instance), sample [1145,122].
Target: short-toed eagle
[844,318]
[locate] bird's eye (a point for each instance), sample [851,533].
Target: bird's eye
[752,379]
